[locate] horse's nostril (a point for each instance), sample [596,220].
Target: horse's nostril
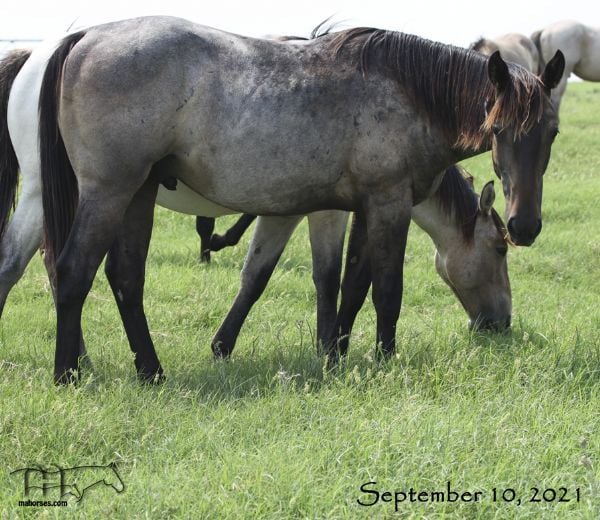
[510,226]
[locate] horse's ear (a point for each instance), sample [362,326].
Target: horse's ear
[498,71]
[487,198]
[554,70]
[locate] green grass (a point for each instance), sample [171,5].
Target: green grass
[271,435]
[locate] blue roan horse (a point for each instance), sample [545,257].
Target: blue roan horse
[362,120]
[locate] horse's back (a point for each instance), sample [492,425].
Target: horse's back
[514,47]
[280,115]
[519,49]
[579,43]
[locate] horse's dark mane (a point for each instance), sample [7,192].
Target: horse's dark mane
[318,32]
[449,84]
[457,199]
[323,29]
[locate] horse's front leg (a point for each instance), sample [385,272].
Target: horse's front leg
[355,286]
[269,239]
[205,227]
[388,218]
[326,231]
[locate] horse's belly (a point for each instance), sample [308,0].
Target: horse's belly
[249,184]
[185,200]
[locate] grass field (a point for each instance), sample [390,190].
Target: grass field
[271,435]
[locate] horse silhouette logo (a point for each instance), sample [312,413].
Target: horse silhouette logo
[75,481]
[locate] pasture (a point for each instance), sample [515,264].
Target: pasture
[270,434]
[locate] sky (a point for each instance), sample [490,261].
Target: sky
[451,21]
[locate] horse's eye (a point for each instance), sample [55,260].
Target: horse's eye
[496,129]
[502,250]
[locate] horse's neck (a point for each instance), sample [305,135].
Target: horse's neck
[432,219]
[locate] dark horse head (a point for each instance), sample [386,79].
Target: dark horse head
[520,153]
[480,103]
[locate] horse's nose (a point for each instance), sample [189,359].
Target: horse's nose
[521,233]
[485,323]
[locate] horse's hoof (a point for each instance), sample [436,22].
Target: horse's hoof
[220,351]
[383,354]
[158,378]
[85,363]
[66,377]
[205,256]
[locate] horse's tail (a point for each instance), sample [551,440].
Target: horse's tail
[59,184]
[536,39]
[10,66]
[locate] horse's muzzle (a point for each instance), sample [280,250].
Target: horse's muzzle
[491,324]
[523,233]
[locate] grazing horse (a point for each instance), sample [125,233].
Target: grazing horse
[471,248]
[580,45]
[469,237]
[514,47]
[363,120]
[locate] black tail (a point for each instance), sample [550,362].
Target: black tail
[535,38]
[10,66]
[59,185]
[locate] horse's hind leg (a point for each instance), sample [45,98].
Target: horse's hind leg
[125,270]
[326,231]
[269,239]
[84,359]
[205,227]
[97,219]
[355,286]
[233,234]
[21,239]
